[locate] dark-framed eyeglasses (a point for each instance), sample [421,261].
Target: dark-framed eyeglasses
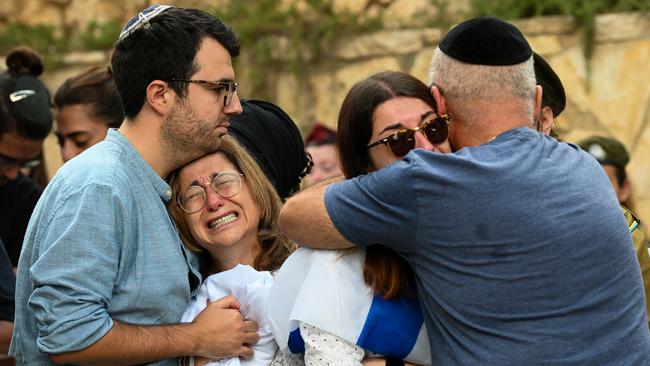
[226,184]
[401,142]
[7,162]
[227,88]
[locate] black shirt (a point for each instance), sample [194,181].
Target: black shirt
[17,201]
[7,285]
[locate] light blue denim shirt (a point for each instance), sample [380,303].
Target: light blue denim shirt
[99,247]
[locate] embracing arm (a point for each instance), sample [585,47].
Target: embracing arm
[304,219]
[218,331]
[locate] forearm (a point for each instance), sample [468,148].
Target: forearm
[304,219]
[6,328]
[127,344]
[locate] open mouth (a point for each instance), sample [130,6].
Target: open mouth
[222,220]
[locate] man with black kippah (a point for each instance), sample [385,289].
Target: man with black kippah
[520,253]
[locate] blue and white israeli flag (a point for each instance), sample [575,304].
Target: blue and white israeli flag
[326,289]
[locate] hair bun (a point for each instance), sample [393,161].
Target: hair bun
[25,61]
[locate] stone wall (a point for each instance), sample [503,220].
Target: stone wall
[613,100]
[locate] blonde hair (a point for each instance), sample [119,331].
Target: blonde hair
[275,246]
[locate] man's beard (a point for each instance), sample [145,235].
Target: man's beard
[185,137]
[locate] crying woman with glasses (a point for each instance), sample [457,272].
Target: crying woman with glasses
[359,306]
[225,206]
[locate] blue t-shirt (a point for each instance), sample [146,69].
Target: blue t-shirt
[519,247]
[99,247]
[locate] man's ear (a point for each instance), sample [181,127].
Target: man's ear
[440,100]
[538,102]
[159,96]
[546,120]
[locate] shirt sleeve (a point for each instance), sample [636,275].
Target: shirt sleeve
[7,284]
[377,208]
[80,244]
[323,348]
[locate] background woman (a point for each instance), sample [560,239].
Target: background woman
[382,118]
[87,106]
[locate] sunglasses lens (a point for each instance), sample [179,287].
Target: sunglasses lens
[402,142]
[436,131]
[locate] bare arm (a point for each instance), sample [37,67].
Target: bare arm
[304,219]
[218,331]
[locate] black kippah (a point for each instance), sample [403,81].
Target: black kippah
[274,141]
[486,41]
[552,90]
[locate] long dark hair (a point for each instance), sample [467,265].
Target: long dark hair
[386,272]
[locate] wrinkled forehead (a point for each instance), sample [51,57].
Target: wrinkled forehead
[204,169]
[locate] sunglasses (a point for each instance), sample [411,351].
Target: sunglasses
[403,141]
[226,87]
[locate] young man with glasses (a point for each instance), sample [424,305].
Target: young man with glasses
[25,122]
[104,277]
[519,250]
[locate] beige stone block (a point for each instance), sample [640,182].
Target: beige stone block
[288,93]
[639,172]
[557,24]
[420,68]
[381,43]
[330,88]
[39,12]
[619,88]
[92,58]
[432,36]
[409,14]
[349,6]
[622,26]
[545,45]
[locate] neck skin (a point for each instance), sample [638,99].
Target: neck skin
[143,132]
[225,258]
[499,119]
[496,117]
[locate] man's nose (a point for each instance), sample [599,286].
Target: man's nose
[234,107]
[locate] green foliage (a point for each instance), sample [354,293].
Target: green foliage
[311,30]
[42,38]
[583,11]
[53,44]
[100,36]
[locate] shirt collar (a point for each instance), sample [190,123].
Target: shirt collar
[139,164]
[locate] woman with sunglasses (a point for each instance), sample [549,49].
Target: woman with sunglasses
[362,301]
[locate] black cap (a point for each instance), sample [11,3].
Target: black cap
[486,41]
[30,101]
[274,141]
[607,150]
[553,91]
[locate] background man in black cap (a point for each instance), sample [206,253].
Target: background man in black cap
[520,253]
[25,122]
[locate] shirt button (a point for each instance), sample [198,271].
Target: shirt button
[168,193]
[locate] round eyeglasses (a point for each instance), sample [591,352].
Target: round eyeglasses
[226,184]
